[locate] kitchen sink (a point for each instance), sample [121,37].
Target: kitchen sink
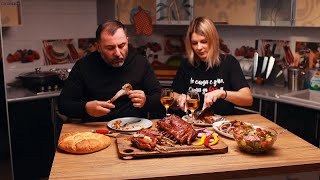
[304,96]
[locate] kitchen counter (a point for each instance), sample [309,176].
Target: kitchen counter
[15,94]
[290,154]
[267,92]
[274,93]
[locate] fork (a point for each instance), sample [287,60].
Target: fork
[131,122]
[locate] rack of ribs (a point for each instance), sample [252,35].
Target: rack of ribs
[175,128]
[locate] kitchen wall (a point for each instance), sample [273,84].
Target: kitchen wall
[45,19]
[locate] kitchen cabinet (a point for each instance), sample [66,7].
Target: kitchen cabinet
[307,13]
[5,153]
[220,11]
[124,9]
[264,107]
[10,13]
[299,13]
[275,12]
[254,109]
[32,138]
[303,122]
[227,11]
[105,10]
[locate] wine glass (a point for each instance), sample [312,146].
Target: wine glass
[167,98]
[193,101]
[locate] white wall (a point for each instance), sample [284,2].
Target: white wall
[47,19]
[59,19]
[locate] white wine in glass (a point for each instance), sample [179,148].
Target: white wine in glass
[167,98]
[193,101]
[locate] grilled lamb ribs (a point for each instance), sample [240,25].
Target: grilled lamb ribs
[177,129]
[171,130]
[146,139]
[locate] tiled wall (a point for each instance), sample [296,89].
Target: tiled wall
[46,19]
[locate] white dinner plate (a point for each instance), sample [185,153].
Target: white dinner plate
[216,128]
[135,123]
[202,122]
[217,124]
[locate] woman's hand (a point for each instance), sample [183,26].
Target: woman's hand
[242,97]
[137,97]
[98,108]
[212,97]
[181,101]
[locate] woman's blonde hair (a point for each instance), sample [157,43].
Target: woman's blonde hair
[205,27]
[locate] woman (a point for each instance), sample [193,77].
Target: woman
[217,77]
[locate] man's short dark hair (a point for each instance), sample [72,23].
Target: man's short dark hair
[111,26]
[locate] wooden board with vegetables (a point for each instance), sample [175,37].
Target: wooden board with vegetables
[201,146]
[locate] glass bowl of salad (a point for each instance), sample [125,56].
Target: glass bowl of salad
[255,139]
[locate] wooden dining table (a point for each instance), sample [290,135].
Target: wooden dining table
[290,154]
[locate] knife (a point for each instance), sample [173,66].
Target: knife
[273,49]
[264,65]
[270,66]
[131,122]
[255,63]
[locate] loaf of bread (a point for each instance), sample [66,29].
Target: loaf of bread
[83,142]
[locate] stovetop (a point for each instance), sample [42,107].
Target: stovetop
[46,90]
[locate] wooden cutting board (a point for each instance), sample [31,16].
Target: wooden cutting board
[127,151]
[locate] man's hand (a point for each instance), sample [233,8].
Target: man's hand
[98,108]
[137,97]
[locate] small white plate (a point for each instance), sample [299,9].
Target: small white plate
[216,128]
[201,122]
[138,123]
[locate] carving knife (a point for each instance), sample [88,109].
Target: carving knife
[270,66]
[264,65]
[255,64]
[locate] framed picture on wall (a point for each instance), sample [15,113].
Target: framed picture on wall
[59,51]
[174,12]
[174,45]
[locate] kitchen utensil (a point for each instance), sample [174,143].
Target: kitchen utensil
[255,63]
[273,49]
[296,79]
[264,65]
[40,80]
[247,67]
[288,54]
[198,113]
[131,122]
[270,66]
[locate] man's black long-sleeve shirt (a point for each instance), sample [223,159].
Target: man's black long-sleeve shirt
[92,78]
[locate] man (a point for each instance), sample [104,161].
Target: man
[96,78]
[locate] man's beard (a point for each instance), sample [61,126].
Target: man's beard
[114,62]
